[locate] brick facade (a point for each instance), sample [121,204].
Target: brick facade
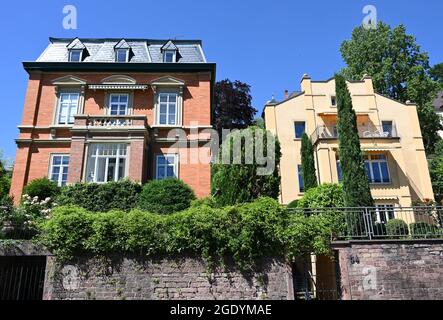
[39,137]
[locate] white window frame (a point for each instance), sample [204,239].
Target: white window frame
[157,109]
[60,174]
[378,161]
[174,56]
[75,50]
[120,103]
[126,55]
[117,157]
[59,107]
[175,165]
[384,208]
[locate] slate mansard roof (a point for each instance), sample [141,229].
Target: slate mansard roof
[142,50]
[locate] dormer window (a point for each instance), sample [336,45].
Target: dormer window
[122,51]
[169,56]
[76,51]
[75,55]
[170,52]
[121,55]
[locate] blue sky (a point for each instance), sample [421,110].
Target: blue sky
[267,44]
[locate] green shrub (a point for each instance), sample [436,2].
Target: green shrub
[67,232]
[292,204]
[165,196]
[397,228]
[247,233]
[119,195]
[423,230]
[42,188]
[323,196]
[245,180]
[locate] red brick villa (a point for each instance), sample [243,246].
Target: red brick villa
[98,110]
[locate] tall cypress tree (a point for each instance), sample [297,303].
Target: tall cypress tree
[307,163]
[355,181]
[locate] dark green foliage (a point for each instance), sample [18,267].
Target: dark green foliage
[356,188]
[436,72]
[292,204]
[423,230]
[308,163]
[247,233]
[249,179]
[165,196]
[400,70]
[324,196]
[122,195]
[397,228]
[436,171]
[42,188]
[232,106]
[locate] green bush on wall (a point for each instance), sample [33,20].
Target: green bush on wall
[247,233]
[42,188]
[165,196]
[397,228]
[121,195]
[423,230]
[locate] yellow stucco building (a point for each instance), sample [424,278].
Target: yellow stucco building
[389,132]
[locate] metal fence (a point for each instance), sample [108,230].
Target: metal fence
[384,222]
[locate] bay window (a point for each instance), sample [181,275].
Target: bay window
[106,162]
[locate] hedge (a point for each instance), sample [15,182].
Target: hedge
[397,228]
[121,195]
[246,232]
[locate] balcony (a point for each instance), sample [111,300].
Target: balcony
[108,122]
[364,132]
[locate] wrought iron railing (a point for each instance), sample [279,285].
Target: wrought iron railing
[365,132]
[368,223]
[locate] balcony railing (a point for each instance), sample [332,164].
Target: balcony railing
[109,121]
[369,223]
[364,132]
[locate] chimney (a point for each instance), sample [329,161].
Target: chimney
[286,94]
[306,84]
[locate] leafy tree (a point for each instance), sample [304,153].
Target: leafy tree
[240,180]
[308,164]
[399,70]
[355,181]
[233,108]
[436,72]
[5,181]
[436,171]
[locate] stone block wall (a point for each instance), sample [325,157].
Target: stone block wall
[391,270]
[181,278]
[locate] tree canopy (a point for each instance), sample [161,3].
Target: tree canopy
[233,106]
[308,163]
[399,68]
[234,183]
